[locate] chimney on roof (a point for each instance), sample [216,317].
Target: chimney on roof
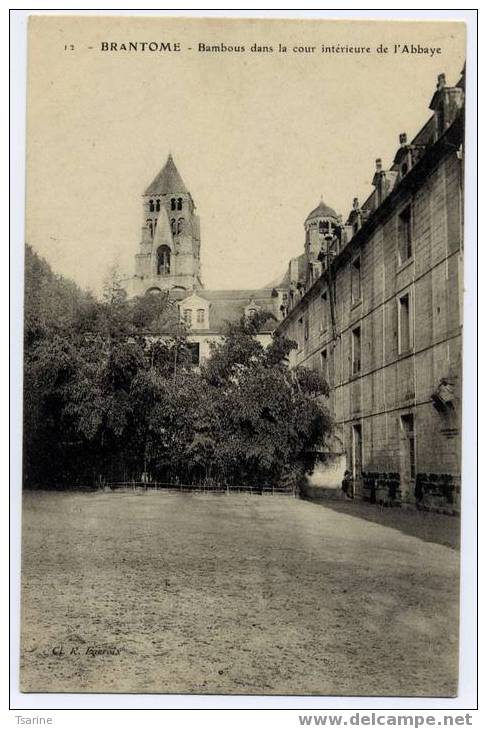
[355,204]
[403,139]
[441,81]
[378,165]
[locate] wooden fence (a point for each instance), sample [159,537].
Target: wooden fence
[197,487]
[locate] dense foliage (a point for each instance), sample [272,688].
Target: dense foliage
[107,399]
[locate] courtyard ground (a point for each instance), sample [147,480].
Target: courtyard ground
[191,593]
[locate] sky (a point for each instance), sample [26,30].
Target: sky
[257,137]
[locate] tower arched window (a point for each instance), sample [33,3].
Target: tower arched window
[151,205]
[180,203]
[158,205]
[173,226]
[163,261]
[173,203]
[150,226]
[180,227]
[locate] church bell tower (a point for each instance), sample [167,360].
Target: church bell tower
[169,254]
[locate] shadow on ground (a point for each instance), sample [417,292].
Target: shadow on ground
[428,526]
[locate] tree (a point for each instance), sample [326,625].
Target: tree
[110,393]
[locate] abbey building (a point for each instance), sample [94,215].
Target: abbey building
[375,305]
[374,302]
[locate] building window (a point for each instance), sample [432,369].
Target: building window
[324,298]
[173,203]
[173,226]
[188,317]
[158,205]
[180,228]
[200,316]
[356,452]
[180,203]
[324,363]
[306,330]
[356,350]
[404,323]
[194,348]
[150,226]
[151,205]
[356,281]
[407,425]
[163,261]
[405,235]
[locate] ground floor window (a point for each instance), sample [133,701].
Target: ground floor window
[194,348]
[409,446]
[357,451]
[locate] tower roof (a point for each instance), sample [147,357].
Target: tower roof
[167,181]
[322,211]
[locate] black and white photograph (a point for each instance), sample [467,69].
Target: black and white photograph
[242,356]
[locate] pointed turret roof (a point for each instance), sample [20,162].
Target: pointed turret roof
[167,181]
[323,210]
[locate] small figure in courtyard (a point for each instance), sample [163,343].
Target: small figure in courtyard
[347,484]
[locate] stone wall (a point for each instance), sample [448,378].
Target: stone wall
[389,396]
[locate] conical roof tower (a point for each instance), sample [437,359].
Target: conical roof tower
[168,181]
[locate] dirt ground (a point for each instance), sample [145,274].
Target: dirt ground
[427,525]
[245,594]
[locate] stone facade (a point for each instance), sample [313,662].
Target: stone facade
[376,307]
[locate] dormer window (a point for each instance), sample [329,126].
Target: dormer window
[200,316]
[188,316]
[158,205]
[180,203]
[173,203]
[151,205]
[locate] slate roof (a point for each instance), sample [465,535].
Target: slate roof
[228,305]
[323,210]
[167,181]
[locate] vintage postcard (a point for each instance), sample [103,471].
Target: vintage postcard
[243,356]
